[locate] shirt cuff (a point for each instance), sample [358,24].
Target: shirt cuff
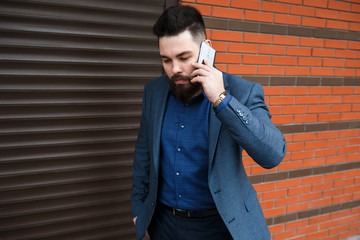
[223,103]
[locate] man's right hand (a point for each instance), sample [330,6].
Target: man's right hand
[146,234]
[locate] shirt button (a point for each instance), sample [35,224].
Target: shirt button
[182,126]
[177,173]
[179,149]
[179,195]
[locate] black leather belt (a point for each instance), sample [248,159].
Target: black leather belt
[190,214]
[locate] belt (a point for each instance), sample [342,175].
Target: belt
[190,214]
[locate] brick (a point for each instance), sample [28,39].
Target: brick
[243,48]
[321,202]
[321,186]
[354,45]
[295,90]
[282,100]
[306,230]
[307,100]
[228,58]
[348,16]
[289,165]
[256,59]
[274,7]
[344,72]
[219,46]
[279,60]
[270,70]
[257,38]
[319,109]
[299,190]
[288,183]
[273,90]
[325,13]
[320,52]
[263,187]
[315,145]
[349,133]
[297,71]
[350,116]
[310,196]
[301,137]
[337,24]
[226,35]
[329,117]
[285,40]
[296,224]
[297,207]
[321,71]
[330,99]
[302,155]
[270,49]
[227,13]
[298,51]
[310,61]
[274,194]
[318,3]
[330,43]
[340,108]
[313,22]
[286,201]
[352,63]
[287,19]
[351,99]
[274,212]
[259,16]
[214,2]
[311,42]
[301,10]
[246,4]
[355,7]
[339,5]
[346,54]
[354,27]
[329,62]
[242,69]
[291,1]
[325,152]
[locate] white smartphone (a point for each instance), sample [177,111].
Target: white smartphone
[206,52]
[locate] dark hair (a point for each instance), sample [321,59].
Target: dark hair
[177,19]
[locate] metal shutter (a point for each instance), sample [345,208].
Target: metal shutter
[71,79]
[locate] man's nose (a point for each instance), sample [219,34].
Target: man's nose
[176,68]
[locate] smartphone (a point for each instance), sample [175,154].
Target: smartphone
[206,52]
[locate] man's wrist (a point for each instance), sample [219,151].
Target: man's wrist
[220,99]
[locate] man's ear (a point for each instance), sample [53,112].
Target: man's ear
[208,42]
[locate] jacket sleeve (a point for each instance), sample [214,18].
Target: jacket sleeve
[141,167]
[250,125]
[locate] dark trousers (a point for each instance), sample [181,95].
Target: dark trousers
[166,226]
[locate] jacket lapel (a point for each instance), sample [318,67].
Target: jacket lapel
[158,116]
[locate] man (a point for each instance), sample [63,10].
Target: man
[189,180]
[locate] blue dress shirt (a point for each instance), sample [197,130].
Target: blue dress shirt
[183,176]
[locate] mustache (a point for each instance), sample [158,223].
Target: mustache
[179,76]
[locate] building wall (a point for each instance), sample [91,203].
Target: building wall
[306,55]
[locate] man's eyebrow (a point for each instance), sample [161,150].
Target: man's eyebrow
[179,55]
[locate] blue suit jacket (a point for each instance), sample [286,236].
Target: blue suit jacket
[244,124]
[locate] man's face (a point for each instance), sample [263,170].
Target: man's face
[177,54]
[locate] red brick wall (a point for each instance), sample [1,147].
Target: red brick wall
[306,54]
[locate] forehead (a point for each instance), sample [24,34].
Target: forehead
[170,46]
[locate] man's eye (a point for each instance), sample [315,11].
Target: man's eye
[184,58]
[166,60]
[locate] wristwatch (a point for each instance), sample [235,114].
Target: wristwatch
[219,100]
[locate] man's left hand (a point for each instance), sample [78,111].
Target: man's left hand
[210,78]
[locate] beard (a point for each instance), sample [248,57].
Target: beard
[183,92]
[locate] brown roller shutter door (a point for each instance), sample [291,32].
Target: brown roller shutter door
[71,79]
